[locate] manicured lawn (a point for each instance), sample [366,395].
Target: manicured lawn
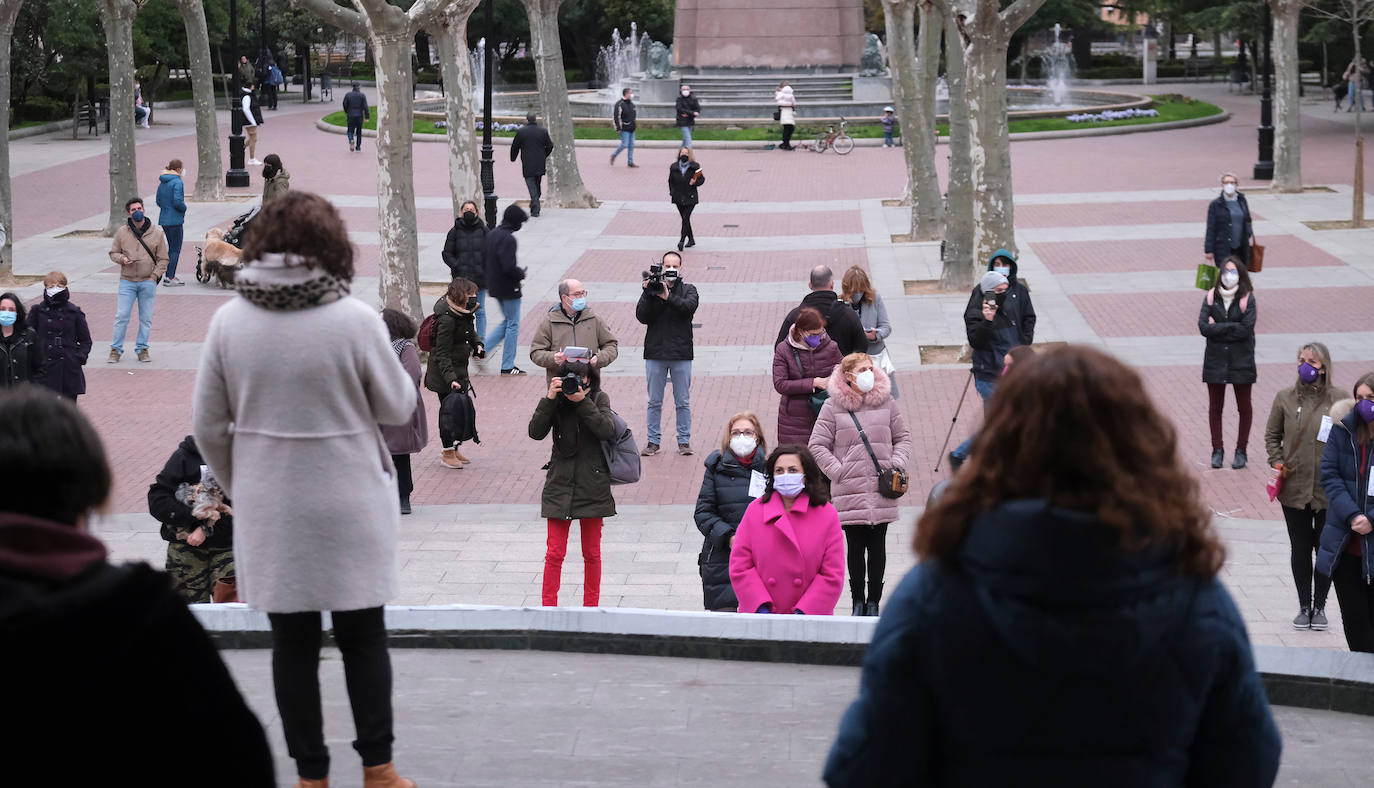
[1170,108]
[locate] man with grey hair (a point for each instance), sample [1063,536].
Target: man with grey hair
[572,324]
[841,321]
[532,145]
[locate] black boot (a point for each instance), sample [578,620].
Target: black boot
[1218,457]
[871,609]
[860,609]
[875,593]
[1240,459]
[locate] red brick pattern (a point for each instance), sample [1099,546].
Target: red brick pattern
[721,324]
[619,265]
[737,225]
[1112,213]
[1305,310]
[1168,254]
[183,319]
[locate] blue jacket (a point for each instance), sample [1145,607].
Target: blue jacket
[1346,484]
[1043,654]
[171,200]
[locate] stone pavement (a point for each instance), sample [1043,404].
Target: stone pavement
[1109,230]
[544,719]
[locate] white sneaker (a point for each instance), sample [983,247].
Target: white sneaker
[255,162]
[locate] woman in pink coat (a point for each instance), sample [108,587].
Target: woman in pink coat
[858,390]
[788,552]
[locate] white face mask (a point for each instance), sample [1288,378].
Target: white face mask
[864,381]
[743,445]
[1230,278]
[52,291]
[686,92]
[1230,189]
[789,484]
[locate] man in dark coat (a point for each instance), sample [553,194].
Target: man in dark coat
[1229,228]
[532,145]
[464,254]
[355,107]
[623,116]
[841,322]
[686,109]
[200,551]
[503,282]
[667,308]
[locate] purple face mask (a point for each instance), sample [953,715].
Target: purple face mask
[1366,410]
[1307,373]
[813,341]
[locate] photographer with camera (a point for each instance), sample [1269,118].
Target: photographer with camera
[667,306]
[578,483]
[999,316]
[571,330]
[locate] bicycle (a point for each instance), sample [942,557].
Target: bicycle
[840,142]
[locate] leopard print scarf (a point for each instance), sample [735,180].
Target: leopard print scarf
[281,282]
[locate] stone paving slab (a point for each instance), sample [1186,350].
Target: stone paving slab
[1112,213]
[716,265]
[1315,309]
[1171,254]
[739,226]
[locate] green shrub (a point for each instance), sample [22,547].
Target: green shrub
[41,109]
[428,75]
[361,69]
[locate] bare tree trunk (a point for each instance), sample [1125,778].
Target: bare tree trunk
[117,17]
[959,265]
[9,11]
[565,180]
[209,182]
[1287,106]
[1357,206]
[899,17]
[451,38]
[927,207]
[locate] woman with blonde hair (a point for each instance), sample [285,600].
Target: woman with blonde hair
[860,430]
[858,292]
[64,336]
[721,503]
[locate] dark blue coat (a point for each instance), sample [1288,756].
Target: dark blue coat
[1218,241]
[1014,325]
[1043,654]
[66,339]
[503,275]
[1346,483]
[720,506]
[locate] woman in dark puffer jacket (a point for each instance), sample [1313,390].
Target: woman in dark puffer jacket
[464,255]
[720,505]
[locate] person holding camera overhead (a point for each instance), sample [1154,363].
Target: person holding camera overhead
[571,330]
[666,306]
[684,176]
[578,483]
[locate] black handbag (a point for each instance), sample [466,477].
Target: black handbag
[892,482]
[777,114]
[818,398]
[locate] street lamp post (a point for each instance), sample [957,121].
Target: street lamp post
[1264,168]
[237,176]
[488,163]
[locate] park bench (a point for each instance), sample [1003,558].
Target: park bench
[90,114]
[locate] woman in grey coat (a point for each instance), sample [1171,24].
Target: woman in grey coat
[314,488]
[858,292]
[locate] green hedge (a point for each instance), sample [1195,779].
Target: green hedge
[40,109]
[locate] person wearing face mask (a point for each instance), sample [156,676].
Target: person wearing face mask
[684,176]
[503,279]
[276,181]
[1298,428]
[140,250]
[1345,552]
[65,337]
[578,483]
[623,115]
[802,364]
[1227,320]
[687,109]
[786,113]
[532,145]
[455,341]
[860,425]
[788,552]
[171,216]
[725,494]
[464,254]
[1229,229]
[21,355]
[572,323]
[842,322]
[667,309]
[857,291]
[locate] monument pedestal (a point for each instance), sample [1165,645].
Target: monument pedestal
[658,91]
[873,88]
[802,35]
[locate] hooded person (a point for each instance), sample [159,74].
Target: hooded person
[276,181]
[464,254]
[1345,552]
[504,276]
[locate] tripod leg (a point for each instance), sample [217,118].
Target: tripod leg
[941,456]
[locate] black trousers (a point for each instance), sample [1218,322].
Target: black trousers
[361,636]
[271,96]
[1304,529]
[404,482]
[870,539]
[685,211]
[1357,603]
[787,134]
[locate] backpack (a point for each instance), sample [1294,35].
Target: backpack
[622,456]
[429,330]
[458,417]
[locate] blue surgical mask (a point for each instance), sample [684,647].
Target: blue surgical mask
[1004,270]
[789,484]
[8,318]
[579,304]
[137,216]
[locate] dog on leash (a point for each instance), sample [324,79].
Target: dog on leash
[218,259]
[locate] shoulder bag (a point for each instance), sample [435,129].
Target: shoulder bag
[892,482]
[818,398]
[151,256]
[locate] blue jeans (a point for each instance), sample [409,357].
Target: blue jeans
[532,183]
[985,389]
[482,314]
[658,373]
[128,292]
[627,140]
[1353,93]
[355,125]
[686,136]
[508,330]
[174,238]
[887,139]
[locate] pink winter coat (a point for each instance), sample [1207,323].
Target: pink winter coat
[795,416]
[793,560]
[840,451]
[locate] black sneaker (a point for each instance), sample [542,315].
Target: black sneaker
[650,449]
[685,449]
[405,504]
[1318,619]
[1303,620]
[513,371]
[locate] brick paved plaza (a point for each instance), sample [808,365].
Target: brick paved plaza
[1110,232]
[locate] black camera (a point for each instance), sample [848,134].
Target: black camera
[572,383]
[654,276]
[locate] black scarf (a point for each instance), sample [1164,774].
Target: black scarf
[273,284]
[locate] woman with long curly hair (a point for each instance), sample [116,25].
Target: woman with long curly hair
[1065,624]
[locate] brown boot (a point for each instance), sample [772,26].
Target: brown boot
[450,459]
[384,776]
[301,782]
[459,455]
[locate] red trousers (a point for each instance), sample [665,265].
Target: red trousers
[591,559]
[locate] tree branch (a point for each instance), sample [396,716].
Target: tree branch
[1017,14]
[345,19]
[424,12]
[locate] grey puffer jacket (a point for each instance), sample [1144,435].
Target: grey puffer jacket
[842,456]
